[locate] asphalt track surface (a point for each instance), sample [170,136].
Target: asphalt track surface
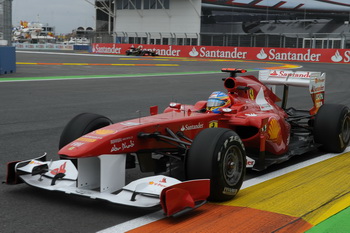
[33,114]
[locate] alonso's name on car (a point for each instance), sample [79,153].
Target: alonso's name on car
[124,145]
[192,127]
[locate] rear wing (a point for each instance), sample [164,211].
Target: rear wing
[315,81]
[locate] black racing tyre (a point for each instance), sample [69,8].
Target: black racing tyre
[218,154]
[332,127]
[80,125]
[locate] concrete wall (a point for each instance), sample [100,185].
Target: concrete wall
[182,17]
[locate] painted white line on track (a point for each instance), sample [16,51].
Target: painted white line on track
[269,176]
[141,221]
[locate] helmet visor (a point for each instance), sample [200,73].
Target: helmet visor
[215,103]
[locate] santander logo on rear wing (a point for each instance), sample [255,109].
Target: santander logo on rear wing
[315,81]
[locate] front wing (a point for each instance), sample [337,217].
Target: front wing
[103,178]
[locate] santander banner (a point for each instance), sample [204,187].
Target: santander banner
[239,53]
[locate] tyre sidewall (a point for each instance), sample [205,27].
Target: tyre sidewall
[207,161]
[328,126]
[220,187]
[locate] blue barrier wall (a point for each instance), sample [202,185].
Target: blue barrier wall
[7,60]
[81,47]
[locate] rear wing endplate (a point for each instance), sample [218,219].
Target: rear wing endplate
[315,81]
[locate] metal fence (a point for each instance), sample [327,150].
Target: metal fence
[283,40]
[6,20]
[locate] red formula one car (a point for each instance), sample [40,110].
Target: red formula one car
[197,152]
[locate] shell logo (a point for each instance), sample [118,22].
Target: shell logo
[274,131]
[104,131]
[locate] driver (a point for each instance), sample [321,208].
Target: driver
[218,100]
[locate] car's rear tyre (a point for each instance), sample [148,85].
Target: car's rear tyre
[80,125]
[332,127]
[217,154]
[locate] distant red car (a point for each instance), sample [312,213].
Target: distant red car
[188,146]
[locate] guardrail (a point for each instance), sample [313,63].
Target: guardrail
[43,46]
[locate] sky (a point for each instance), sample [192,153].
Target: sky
[64,15]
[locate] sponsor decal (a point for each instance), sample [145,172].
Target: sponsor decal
[213,124]
[251,94]
[85,139]
[286,73]
[77,144]
[106,48]
[274,131]
[289,56]
[130,123]
[157,184]
[262,55]
[61,169]
[251,114]
[347,56]
[35,162]
[121,139]
[229,191]
[318,84]
[192,127]
[220,53]
[92,136]
[194,52]
[167,52]
[250,163]
[337,57]
[104,131]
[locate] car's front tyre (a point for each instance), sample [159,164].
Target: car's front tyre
[217,154]
[80,125]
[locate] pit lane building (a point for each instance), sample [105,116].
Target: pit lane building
[322,24]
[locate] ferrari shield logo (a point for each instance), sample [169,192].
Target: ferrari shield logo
[251,94]
[213,124]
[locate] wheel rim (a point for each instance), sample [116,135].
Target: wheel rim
[233,165]
[345,131]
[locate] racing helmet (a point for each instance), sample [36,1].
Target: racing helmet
[218,100]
